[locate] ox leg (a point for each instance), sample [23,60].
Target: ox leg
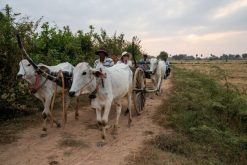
[160,79]
[67,100]
[46,112]
[129,107]
[98,117]
[77,108]
[118,110]
[105,119]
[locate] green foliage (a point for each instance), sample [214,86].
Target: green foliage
[211,118]
[244,56]
[11,96]
[163,55]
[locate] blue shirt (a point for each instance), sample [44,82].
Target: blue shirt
[144,64]
[108,62]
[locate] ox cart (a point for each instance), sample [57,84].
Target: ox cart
[140,88]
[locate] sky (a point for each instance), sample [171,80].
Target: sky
[175,26]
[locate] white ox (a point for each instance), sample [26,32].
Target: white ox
[158,70]
[111,84]
[44,89]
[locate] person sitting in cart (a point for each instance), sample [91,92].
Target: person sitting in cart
[103,58]
[125,59]
[145,63]
[168,67]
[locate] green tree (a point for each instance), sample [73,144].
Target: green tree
[134,48]
[163,55]
[244,56]
[11,96]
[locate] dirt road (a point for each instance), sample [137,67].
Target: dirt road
[76,144]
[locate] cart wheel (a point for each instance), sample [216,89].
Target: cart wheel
[139,96]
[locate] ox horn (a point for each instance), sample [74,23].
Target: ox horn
[23,51]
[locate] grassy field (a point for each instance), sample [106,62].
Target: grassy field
[234,71]
[204,117]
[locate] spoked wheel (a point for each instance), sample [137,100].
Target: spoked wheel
[139,90]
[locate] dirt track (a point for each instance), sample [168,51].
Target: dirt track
[32,149]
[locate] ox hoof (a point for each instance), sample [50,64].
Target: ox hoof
[76,116]
[115,131]
[103,137]
[101,144]
[129,122]
[44,129]
[126,112]
[44,115]
[99,125]
[58,125]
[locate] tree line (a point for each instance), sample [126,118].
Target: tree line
[211,57]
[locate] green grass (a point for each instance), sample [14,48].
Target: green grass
[209,123]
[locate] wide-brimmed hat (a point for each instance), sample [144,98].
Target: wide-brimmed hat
[101,50]
[125,54]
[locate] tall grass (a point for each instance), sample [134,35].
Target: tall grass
[209,122]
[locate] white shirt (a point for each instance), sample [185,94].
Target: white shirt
[128,63]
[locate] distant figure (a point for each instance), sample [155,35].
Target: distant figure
[125,59]
[103,58]
[145,62]
[168,67]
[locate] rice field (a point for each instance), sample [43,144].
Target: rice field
[234,72]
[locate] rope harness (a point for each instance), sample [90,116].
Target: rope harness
[33,88]
[37,85]
[86,84]
[96,88]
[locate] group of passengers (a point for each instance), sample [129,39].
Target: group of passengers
[124,58]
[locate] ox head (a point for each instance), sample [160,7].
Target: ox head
[26,71]
[84,79]
[153,65]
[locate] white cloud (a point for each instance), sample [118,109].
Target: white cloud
[230,8]
[216,43]
[173,25]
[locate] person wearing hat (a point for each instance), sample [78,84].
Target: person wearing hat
[125,59]
[103,58]
[145,62]
[106,61]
